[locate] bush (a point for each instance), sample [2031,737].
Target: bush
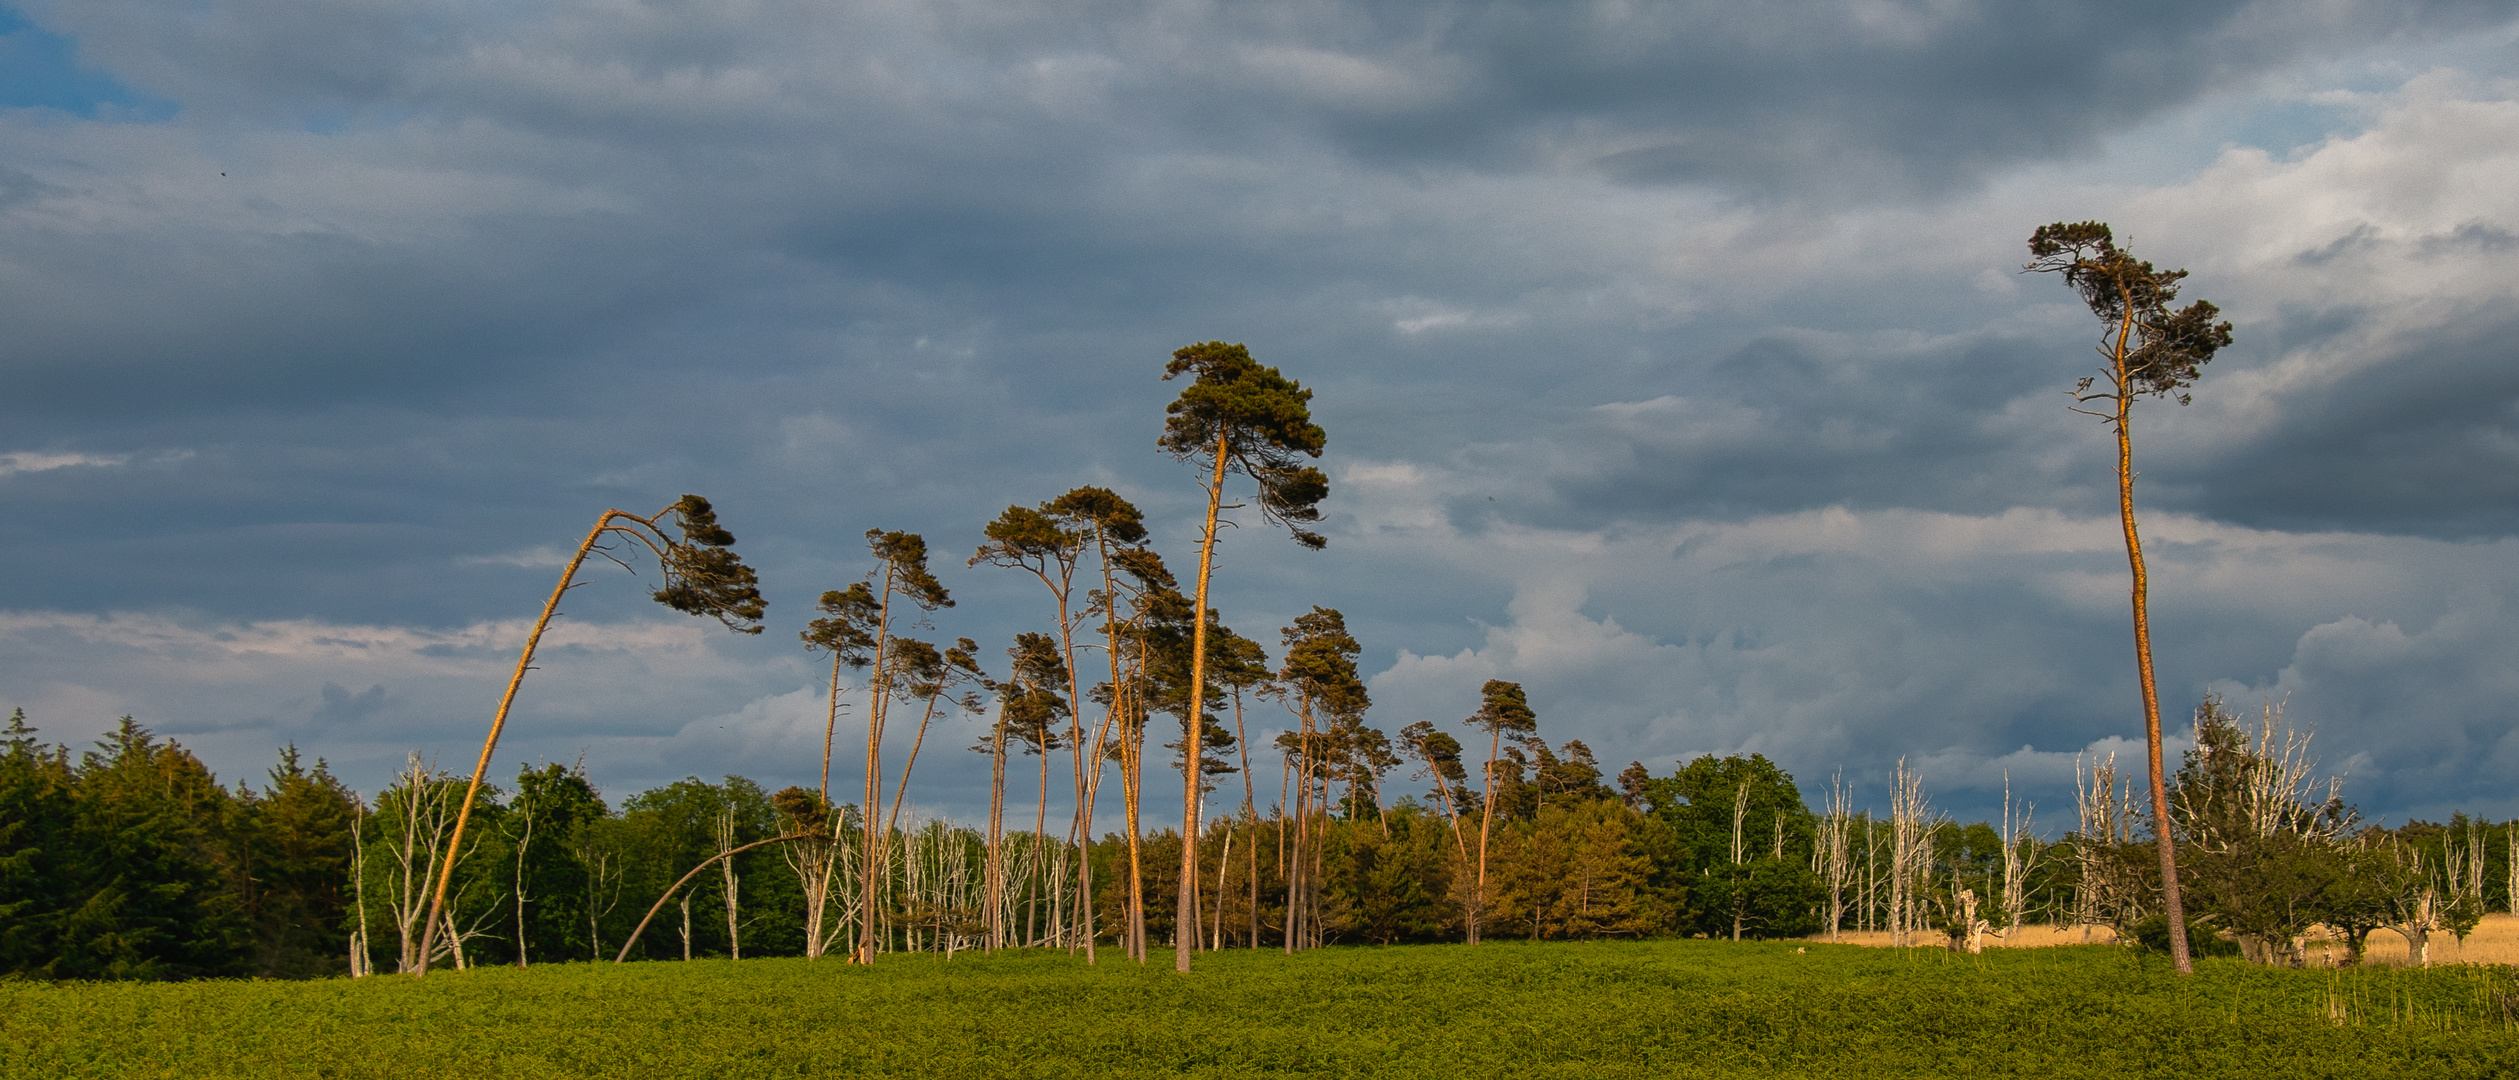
[2152,935]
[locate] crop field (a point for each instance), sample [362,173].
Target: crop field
[1664,1009]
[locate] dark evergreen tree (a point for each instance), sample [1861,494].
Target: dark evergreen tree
[295,849]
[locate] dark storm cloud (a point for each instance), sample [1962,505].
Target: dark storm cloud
[477,271]
[1790,422]
[1850,98]
[2423,439]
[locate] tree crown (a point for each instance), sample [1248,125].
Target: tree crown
[1261,421]
[2152,349]
[703,575]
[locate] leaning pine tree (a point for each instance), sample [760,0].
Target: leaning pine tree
[2148,349]
[703,576]
[1236,416]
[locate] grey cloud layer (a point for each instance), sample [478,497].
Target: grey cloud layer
[1606,278]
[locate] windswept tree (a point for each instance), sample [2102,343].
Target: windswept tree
[702,576]
[1029,708]
[902,578]
[1155,622]
[925,674]
[1049,542]
[1242,666]
[1236,416]
[2148,349]
[1326,695]
[1441,755]
[1503,711]
[846,630]
[1117,533]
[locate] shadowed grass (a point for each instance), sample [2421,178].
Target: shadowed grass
[1663,1009]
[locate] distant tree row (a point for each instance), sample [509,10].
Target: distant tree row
[131,861]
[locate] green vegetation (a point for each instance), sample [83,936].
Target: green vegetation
[1662,1009]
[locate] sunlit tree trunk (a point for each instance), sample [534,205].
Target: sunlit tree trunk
[1192,752]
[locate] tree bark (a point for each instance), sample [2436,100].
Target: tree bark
[498,723]
[1192,750]
[2172,904]
[878,701]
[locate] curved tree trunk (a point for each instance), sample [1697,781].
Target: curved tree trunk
[498,723]
[2172,904]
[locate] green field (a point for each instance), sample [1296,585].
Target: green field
[1643,1009]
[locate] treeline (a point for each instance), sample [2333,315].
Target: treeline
[130,860]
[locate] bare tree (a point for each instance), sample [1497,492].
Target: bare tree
[858,621]
[523,813]
[2415,906]
[417,818]
[702,576]
[1912,822]
[2152,350]
[360,958]
[2106,895]
[2020,858]
[1832,856]
[732,885]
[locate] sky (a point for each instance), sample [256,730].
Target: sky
[1675,359]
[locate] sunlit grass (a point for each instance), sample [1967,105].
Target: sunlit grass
[1641,1009]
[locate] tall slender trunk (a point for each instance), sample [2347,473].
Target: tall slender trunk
[1285,784]
[522,844]
[1193,752]
[1075,739]
[1132,786]
[831,727]
[871,871]
[726,864]
[498,723]
[2172,904]
[1486,824]
[1040,829]
[1250,818]
[1089,783]
[995,885]
[1302,826]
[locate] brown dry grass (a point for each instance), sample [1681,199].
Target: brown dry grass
[2028,937]
[2495,941]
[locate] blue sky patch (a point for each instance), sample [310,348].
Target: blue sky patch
[41,70]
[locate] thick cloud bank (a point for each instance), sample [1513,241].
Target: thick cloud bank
[1673,358]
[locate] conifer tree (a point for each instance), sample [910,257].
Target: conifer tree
[1502,711]
[2148,350]
[903,576]
[1116,531]
[1236,416]
[1049,541]
[301,831]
